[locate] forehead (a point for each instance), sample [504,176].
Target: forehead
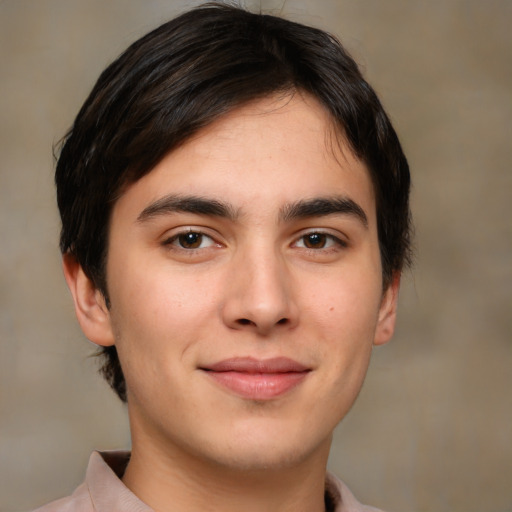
[288,117]
[282,148]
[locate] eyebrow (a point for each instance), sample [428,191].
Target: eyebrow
[322,206]
[187,204]
[315,207]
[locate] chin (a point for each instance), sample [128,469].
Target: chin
[264,459]
[253,453]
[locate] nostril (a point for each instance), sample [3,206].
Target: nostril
[246,322]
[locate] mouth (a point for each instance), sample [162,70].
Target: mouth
[257,379]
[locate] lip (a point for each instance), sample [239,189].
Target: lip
[257,379]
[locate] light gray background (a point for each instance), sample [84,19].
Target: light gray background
[432,430]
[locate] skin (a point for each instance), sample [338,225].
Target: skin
[262,280]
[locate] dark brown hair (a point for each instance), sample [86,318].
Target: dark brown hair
[182,76]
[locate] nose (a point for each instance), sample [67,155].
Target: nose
[260,295]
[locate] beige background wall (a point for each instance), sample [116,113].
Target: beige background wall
[432,430]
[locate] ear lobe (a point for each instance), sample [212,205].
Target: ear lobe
[387,312]
[90,306]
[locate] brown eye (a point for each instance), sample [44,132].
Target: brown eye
[190,240]
[315,240]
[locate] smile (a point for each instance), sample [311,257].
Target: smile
[256,379]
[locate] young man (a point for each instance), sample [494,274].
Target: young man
[235,219]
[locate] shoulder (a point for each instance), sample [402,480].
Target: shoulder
[79,501]
[103,489]
[343,500]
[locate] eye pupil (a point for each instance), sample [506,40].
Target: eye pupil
[314,240]
[190,240]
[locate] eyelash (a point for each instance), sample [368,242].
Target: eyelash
[333,242]
[174,240]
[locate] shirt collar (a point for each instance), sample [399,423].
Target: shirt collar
[109,494]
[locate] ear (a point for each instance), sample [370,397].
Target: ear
[90,305]
[387,312]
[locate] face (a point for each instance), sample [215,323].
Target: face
[246,289]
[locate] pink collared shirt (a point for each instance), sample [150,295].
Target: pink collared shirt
[103,490]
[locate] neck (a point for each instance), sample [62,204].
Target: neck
[172,480]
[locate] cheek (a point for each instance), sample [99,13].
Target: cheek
[157,299]
[346,309]
[344,319]
[157,317]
